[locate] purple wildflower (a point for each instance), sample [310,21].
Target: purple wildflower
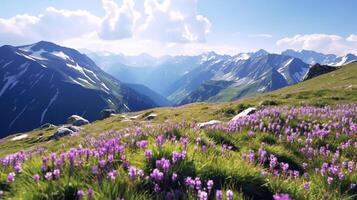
[56,173]
[36,178]
[11,177]
[282,197]
[219,194]
[229,194]
[80,194]
[48,176]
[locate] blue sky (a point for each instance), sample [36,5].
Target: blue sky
[183,26]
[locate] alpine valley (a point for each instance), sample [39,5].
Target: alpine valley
[213,77]
[46,83]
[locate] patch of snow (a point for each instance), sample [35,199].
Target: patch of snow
[17,116]
[30,58]
[91,72]
[228,76]
[62,55]
[301,74]
[105,86]
[20,137]
[241,56]
[11,81]
[37,79]
[27,48]
[53,99]
[80,69]
[34,54]
[283,69]
[38,54]
[262,89]
[84,80]
[217,61]
[344,61]
[126,107]
[6,64]
[75,81]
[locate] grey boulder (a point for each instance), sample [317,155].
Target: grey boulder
[77,120]
[209,124]
[107,113]
[244,113]
[61,132]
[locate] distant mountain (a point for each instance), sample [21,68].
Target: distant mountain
[213,77]
[317,70]
[242,75]
[107,59]
[155,73]
[157,98]
[312,57]
[45,82]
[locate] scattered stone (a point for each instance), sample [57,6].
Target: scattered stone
[244,113]
[74,128]
[209,123]
[77,120]
[61,132]
[106,113]
[151,116]
[19,137]
[47,125]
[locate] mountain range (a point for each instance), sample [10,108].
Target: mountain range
[213,77]
[312,57]
[45,82]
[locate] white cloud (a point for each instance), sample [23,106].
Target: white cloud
[352,38]
[319,42]
[173,21]
[160,20]
[263,35]
[119,22]
[53,24]
[134,46]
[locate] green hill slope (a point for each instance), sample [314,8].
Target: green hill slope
[255,159]
[336,87]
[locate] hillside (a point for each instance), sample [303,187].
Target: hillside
[46,83]
[260,156]
[339,86]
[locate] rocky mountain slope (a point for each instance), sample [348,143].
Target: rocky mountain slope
[44,82]
[317,70]
[248,74]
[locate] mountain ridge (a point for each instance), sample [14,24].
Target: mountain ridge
[45,82]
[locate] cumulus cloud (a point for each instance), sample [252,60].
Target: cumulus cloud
[161,20]
[319,42]
[352,38]
[119,22]
[53,24]
[173,21]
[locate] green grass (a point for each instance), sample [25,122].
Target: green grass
[229,171]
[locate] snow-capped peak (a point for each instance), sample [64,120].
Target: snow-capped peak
[241,56]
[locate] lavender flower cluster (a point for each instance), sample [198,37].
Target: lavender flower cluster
[109,153]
